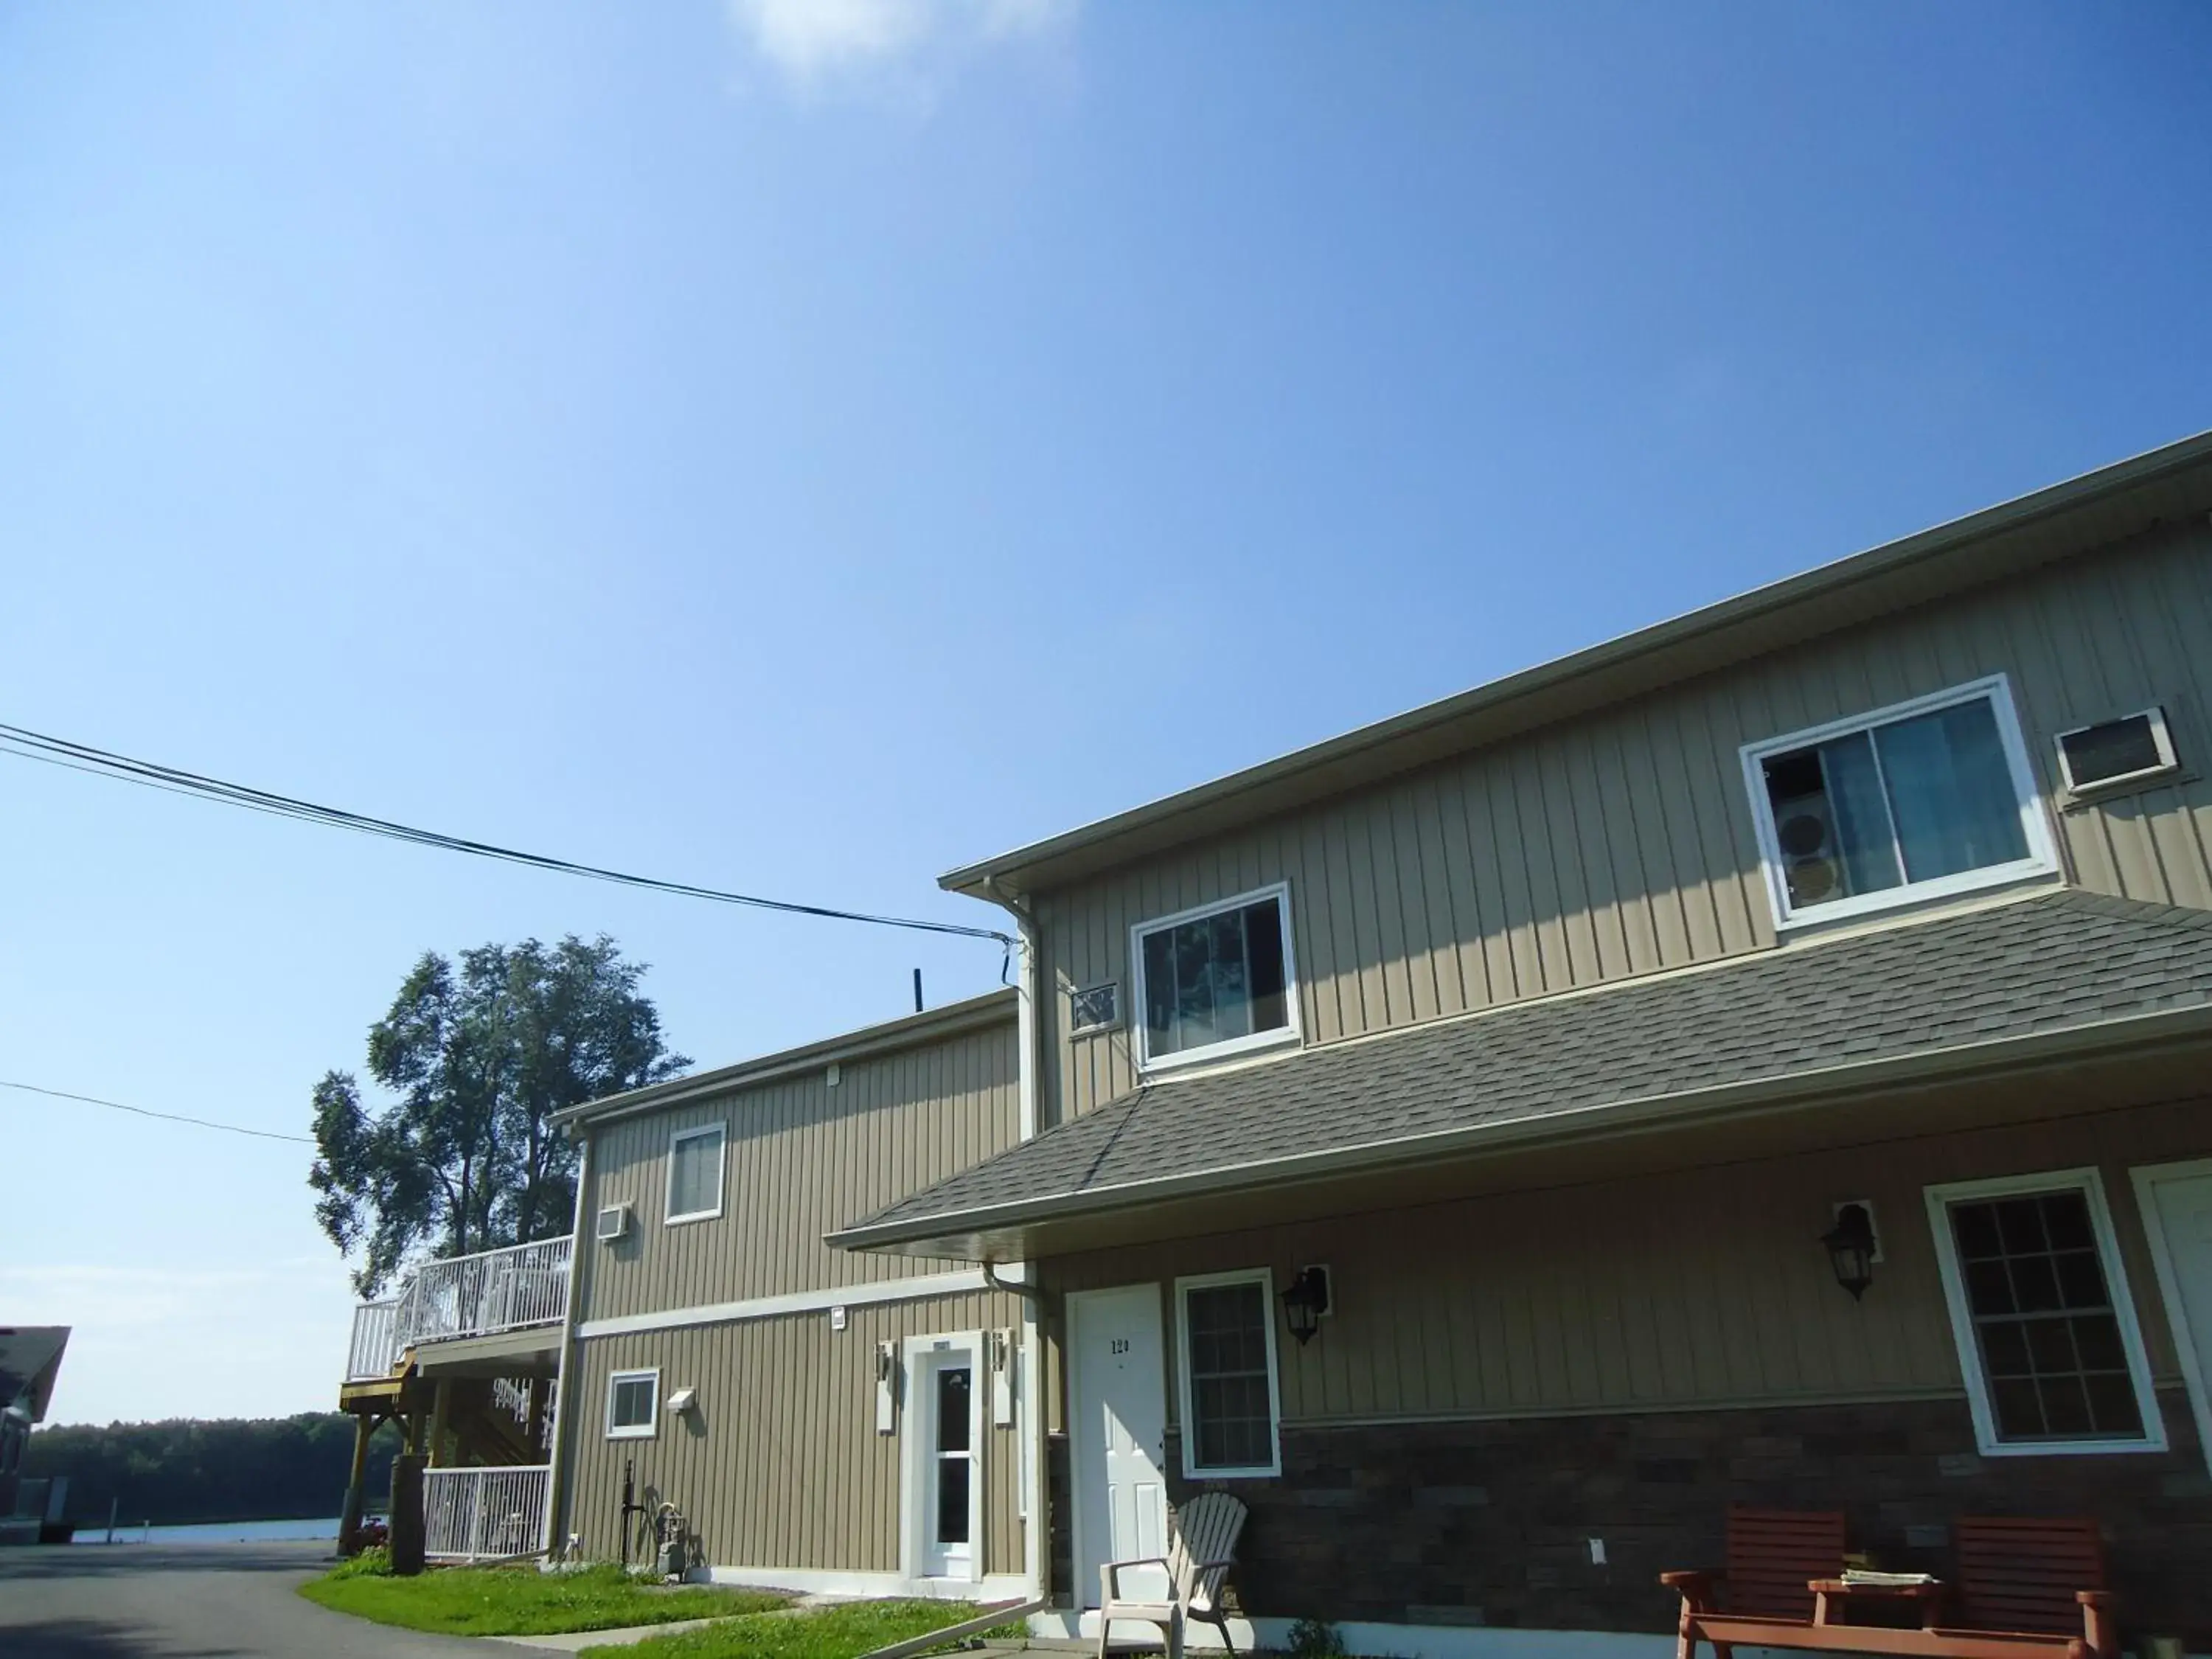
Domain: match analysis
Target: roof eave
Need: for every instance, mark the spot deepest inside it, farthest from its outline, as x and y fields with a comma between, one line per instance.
x=1530, y=687
x=953, y=1019
x=2144, y=1032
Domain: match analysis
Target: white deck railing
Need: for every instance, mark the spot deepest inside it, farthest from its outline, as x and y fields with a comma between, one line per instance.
x=492, y=1290
x=372, y=1354
x=479, y=1295
x=484, y=1514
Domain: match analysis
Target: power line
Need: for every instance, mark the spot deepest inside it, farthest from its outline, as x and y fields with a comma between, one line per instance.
x=82, y=758
x=166, y=1117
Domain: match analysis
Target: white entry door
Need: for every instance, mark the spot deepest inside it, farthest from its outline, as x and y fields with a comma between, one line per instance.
x=949, y=1476
x=2176, y=1200
x=1117, y=1439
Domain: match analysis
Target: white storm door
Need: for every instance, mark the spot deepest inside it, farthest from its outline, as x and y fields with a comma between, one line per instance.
x=1117, y=1405
x=2176, y=1201
x=951, y=1480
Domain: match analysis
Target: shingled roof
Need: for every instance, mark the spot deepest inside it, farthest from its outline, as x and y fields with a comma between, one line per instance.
x=1948, y=985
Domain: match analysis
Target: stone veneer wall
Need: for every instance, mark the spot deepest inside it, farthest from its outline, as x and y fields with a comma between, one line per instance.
x=1488, y=1522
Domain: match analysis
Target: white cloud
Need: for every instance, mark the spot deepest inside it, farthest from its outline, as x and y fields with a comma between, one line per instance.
x=812, y=40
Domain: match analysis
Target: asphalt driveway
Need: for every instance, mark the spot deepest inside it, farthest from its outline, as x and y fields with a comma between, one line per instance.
x=189, y=1601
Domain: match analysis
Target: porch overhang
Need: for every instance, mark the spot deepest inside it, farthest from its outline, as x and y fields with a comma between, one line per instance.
x=1931, y=1024
x=532, y=1351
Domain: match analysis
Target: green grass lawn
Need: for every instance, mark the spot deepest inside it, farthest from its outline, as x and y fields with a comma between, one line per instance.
x=520, y=1601
x=840, y=1633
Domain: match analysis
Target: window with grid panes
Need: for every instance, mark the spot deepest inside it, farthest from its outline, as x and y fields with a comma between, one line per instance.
x=1232, y=1409
x=2045, y=1331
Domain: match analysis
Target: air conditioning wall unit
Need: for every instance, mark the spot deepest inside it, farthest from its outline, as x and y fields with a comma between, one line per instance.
x=614, y=1222
x=2132, y=749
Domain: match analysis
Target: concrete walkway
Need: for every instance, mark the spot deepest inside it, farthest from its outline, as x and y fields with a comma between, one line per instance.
x=187, y=1602
x=576, y=1641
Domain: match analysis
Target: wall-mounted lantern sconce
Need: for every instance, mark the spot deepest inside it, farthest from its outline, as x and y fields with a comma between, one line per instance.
x=1853, y=1246
x=1305, y=1302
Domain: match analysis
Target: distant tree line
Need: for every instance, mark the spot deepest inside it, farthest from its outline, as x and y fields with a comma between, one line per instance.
x=188, y=1470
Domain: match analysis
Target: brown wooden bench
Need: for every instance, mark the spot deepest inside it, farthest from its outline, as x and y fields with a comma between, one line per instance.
x=1773, y=1557
x=2026, y=1590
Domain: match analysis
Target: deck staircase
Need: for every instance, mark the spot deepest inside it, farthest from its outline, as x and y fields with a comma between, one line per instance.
x=465, y=1359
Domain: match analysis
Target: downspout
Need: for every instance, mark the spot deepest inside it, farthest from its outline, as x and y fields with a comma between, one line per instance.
x=1027, y=1027
x=557, y=1481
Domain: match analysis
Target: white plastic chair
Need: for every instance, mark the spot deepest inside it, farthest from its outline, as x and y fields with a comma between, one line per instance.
x=1197, y=1564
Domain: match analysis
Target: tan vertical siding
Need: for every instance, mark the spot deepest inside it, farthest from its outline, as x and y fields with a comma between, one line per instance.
x=1622, y=842
x=781, y=1466
x=1698, y=1288
x=800, y=1159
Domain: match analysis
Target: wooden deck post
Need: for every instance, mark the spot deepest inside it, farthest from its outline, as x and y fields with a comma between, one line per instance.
x=364, y=1426
x=407, y=1539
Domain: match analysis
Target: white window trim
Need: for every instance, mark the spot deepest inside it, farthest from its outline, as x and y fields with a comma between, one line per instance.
x=2088, y=1181
x=2042, y=858
x=919, y=1435
x=648, y=1430
x=1139, y=1022
x=720, y=1132
x=2147, y=1178
x=2161, y=736
x=1264, y=1279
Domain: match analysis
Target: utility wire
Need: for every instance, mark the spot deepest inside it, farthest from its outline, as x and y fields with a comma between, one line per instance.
x=82, y=758
x=166, y=1117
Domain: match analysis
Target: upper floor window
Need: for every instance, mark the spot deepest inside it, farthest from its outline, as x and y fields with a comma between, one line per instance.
x=695, y=1174
x=1917, y=800
x=1216, y=981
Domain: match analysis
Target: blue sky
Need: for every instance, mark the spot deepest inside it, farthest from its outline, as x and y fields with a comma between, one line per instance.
x=803, y=446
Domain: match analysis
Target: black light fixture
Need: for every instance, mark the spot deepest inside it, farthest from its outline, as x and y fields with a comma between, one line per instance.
x=1852, y=1247
x=1305, y=1302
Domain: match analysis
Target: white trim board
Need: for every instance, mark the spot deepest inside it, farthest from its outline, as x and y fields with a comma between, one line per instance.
x=863, y=1585
x=1402, y=1641
x=917, y=1289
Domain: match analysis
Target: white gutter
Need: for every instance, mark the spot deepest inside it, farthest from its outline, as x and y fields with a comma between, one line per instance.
x=1029, y=1066
x=556, y=1485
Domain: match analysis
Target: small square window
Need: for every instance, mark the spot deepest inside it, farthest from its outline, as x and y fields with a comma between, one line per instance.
x=633, y=1405
x=1095, y=1008
x=695, y=1174
x=1216, y=982
x=2039, y=1299
x=1919, y=800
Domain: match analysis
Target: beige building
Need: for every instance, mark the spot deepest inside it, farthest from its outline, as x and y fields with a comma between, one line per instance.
x=1765, y=1058
x=821, y=1420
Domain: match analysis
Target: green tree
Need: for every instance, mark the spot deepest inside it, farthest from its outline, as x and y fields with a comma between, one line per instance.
x=479, y=1057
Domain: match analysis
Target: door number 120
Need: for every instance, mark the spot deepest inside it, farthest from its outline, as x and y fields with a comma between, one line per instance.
x=1121, y=1345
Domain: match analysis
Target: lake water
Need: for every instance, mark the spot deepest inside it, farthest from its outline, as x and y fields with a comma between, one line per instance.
x=219, y=1532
